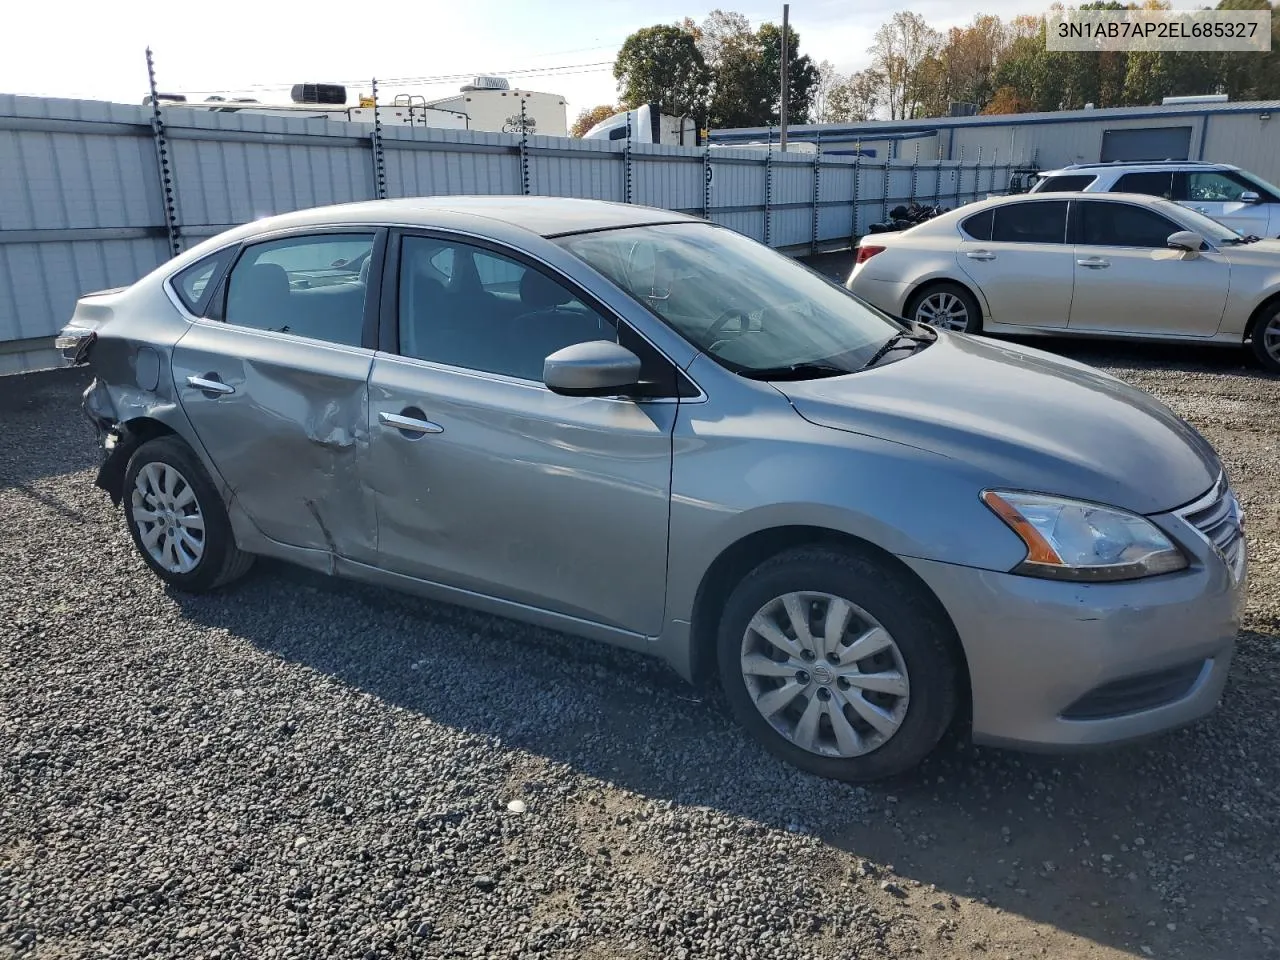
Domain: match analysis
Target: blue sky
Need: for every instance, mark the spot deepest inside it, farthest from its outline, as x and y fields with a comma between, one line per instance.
x=95, y=50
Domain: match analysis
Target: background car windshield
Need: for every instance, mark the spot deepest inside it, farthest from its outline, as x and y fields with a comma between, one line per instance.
x=746, y=306
x=1210, y=229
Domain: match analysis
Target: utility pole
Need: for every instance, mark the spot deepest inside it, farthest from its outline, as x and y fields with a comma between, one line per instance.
x=782, y=79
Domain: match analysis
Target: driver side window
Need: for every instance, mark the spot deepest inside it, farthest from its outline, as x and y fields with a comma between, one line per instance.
x=469, y=307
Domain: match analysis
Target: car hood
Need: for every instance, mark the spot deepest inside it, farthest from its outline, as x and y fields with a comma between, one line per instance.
x=1264, y=252
x=1025, y=418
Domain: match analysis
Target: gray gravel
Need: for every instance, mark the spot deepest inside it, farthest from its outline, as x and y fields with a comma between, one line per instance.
x=304, y=768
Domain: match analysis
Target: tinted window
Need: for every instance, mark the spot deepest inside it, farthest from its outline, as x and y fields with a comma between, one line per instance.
x=620, y=133
x=1214, y=188
x=1030, y=222
x=195, y=284
x=308, y=286
x=978, y=226
x=1074, y=181
x=1123, y=225
x=487, y=312
x=1156, y=184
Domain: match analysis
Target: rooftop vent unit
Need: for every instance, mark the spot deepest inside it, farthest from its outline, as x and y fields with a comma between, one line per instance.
x=332, y=93
x=487, y=83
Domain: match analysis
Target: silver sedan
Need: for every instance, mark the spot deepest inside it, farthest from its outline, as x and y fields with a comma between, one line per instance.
x=642, y=428
x=1080, y=264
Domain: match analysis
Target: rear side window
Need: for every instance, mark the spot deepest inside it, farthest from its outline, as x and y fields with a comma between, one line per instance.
x=309, y=286
x=978, y=226
x=1158, y=183
x=1031, y=222
x=195, y=285
x=1072, y=181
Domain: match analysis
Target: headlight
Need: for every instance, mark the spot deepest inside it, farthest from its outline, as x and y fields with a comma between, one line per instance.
x=1073, y=540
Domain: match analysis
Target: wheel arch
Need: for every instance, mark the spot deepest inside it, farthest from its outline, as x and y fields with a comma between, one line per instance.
x=1271, y=300
x=129, y=436
x=738, y=559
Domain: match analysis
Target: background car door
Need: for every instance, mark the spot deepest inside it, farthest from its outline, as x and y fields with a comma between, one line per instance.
x=275, y=386
x=494, y=484
x=1020, y=260
x=1129, y=280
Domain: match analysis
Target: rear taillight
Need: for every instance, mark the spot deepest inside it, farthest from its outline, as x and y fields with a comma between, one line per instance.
x=866, y=253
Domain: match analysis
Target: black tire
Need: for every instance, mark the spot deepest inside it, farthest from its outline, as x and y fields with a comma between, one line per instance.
x=924, y=638
x=974, y=311
x=221, y=561
x=1267, y=326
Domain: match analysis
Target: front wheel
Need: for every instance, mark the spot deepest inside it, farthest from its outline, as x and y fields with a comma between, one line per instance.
x=1266, y=339
x=838, y=664
x=947, y=306
x=177, y=519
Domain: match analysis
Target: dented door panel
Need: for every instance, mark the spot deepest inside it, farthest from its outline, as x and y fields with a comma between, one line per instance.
x=285, y=422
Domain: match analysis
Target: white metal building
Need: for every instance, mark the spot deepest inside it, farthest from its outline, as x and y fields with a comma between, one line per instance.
x=1245, y=133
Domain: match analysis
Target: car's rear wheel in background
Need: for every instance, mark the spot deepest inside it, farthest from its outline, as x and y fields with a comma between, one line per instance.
x=1266, y=338
x=177, y=519
x=947, y=306
x=838, y=664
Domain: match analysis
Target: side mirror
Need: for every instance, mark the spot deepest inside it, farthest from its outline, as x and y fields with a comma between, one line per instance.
x=1186, y=240
x=1249, y=196
x=597, y=368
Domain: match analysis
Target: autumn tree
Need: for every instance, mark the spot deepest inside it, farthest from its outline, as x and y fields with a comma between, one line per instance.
x=662, y=64
x=900, y=53
x=802, y=75
x=590, y=117
x=829, y=80
x=857, y=98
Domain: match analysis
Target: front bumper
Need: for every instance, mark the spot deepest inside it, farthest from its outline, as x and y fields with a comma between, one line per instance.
x=1055, y=665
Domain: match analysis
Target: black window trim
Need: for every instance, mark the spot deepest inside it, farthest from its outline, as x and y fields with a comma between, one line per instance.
x=388, y=336
x=1075, y=220
x=216, y=308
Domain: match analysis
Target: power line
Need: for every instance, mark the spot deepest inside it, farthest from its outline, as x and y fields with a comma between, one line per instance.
x=561, y=70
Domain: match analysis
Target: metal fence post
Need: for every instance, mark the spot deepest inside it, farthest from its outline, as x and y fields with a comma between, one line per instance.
x=959, y=171
x=857, y=176
x=172, y=227
x=626, y=160
x=706, y=182
x=817, y=195
x=915, y=173
x=524, y=150
x=884, y=191
x=379, y=160
x=768, y=190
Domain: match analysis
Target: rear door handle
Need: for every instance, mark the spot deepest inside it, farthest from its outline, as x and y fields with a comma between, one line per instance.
x=210, y=386
x=405, y=424
x=980, y=255
x=1094, y=263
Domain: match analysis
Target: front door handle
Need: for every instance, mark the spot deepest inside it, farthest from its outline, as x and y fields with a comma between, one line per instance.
x=210, y=386
x=1094, y=263
x=980, y=255
x=409, y=425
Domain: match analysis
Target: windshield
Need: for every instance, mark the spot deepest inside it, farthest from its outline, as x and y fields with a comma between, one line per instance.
x=1207, y=227
x=749, y=308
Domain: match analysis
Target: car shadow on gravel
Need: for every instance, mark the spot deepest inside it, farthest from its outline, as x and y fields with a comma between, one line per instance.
x=1166, y=848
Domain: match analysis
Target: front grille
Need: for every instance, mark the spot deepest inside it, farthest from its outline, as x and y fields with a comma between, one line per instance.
x=1218, y=518
x=1133, y=694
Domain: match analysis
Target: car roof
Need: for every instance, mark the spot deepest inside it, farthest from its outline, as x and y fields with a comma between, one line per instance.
x=546, y=216
x=1144, y=199
x=1138, y=165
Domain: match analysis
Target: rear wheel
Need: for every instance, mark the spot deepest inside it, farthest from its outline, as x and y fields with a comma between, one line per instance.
x=177, y=519
x=838, y=664
x=947, y=306
x=1266, y=338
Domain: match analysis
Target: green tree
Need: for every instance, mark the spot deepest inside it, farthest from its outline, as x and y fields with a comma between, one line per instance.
x=857, y=98
x=802, y=74
x=662, y=64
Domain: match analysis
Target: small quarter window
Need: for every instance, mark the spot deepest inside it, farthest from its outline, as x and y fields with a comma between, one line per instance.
x=195, y=284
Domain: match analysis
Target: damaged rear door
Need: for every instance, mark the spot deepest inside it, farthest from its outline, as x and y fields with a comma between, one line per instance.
x=275, y=383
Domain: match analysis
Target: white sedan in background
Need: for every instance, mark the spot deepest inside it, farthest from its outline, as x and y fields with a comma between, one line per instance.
x=1114, y=265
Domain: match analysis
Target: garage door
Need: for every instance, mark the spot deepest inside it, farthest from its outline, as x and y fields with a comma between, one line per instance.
x=1146, y=143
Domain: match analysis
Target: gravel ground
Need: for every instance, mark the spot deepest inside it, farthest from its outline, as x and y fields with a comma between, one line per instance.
x=303, y=768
